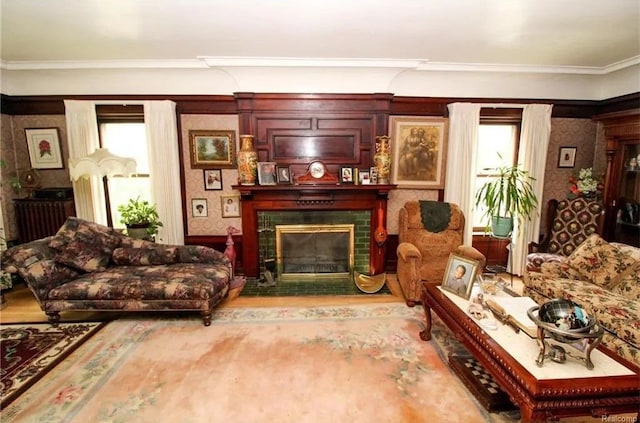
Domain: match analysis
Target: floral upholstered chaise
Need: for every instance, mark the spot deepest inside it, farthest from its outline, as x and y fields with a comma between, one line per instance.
x=604, y=278
x=87, y=266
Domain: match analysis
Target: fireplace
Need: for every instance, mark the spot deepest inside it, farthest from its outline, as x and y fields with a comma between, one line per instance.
x=307, y=202
x=317, y=250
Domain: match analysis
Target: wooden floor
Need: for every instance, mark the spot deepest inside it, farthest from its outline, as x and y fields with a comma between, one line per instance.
x=21, y=305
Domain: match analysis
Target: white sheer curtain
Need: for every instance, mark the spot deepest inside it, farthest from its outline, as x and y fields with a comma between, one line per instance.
x=82, y=138
x=164, y=168
x=464, y=120
x=534, y=143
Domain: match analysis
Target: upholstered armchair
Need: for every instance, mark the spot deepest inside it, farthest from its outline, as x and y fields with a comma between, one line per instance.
x=568, y=224
x=425, y=244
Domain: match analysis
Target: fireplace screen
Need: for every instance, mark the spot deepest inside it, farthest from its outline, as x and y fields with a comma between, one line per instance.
x=314, y=250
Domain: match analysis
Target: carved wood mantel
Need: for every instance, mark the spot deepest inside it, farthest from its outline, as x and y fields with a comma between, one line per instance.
x=299, y=198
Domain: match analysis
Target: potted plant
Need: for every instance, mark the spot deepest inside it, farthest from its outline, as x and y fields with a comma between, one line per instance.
x=507, y=196
x=140, y=217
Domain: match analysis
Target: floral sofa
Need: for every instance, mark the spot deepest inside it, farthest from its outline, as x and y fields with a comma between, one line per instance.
x=87, y=266
x=604, y=278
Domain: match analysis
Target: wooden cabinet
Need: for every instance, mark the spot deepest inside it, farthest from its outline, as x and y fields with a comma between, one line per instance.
x=622, y=178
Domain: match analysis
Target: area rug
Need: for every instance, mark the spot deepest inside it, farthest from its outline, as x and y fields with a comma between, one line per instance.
x=30, y=350
x=356, y=363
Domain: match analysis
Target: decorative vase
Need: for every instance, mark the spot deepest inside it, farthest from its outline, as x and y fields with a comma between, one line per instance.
x=247, y=161
x=382, y=159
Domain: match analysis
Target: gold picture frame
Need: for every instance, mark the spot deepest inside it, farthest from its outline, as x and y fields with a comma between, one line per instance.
x=419, y=151
x=212, y=149
x=460, y=275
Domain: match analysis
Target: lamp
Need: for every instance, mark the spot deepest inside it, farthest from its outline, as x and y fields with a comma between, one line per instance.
x=101, y=163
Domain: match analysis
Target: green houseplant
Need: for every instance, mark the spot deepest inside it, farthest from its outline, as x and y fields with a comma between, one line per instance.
x=140, y=217
x=507, y=196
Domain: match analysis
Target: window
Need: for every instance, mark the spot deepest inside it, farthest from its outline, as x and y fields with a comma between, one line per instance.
x=126, y=139
x=497, y=137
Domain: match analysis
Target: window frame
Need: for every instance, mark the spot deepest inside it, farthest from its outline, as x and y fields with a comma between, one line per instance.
x=501, y=116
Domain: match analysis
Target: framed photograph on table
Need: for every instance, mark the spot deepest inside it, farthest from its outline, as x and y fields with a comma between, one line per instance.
x=419, y=151
x=212, y=179
x=567, y=156
x=230, y=205
x=44, y=148
x=212, y=149
x=199, y=207
x=460, y=275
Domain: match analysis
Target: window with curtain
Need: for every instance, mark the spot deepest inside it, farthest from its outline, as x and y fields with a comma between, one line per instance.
x=498, y=141
x=122, y=132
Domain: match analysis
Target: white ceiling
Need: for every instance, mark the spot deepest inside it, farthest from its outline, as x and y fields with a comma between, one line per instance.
x=564, y=36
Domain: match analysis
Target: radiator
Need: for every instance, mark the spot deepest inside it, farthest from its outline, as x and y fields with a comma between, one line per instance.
x=37, y=218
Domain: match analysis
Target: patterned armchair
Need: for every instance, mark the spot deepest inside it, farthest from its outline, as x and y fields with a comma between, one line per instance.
x=568, y=224
x=423, y=252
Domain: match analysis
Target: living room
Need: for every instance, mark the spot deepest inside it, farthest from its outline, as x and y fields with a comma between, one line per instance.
x=282, y=76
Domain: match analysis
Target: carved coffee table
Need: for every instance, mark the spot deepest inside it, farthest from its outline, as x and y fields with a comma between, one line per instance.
x=549, y=392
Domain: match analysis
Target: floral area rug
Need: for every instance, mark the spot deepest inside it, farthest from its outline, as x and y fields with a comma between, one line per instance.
x=355, y=363
x=30, y=350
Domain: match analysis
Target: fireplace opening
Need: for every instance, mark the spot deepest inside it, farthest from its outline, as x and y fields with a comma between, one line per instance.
x=316, y=250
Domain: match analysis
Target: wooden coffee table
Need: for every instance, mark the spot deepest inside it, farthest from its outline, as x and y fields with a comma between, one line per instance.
x=552, y=391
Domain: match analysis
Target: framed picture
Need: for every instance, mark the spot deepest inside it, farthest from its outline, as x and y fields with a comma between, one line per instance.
x=44, y=148
x=199, y=207
x=373, y=174
x=346, y=175
x=364, y=178
x=284, y=174
x=460, y=275
x=212, y=179
x=267, y=173
x=230, y=205
x=567, y=156
x=419, y=151
x=212, y=149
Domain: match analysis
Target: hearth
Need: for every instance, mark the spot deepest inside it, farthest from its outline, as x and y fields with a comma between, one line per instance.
x=317, y=250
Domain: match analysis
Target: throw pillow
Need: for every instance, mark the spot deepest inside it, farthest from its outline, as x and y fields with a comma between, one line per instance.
x=598, y=261
x=84, y=245
x=130, y=256
x=628, y=283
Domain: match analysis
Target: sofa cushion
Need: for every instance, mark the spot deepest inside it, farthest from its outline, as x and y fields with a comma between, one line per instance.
x=628, y=283
x=131, y=256
x=598, y=261
x=84, y=245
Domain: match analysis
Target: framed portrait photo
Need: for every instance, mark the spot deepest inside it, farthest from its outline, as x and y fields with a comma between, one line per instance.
x=230, y=205
x=346, y=175
x=419, y=151
x=212, y=179
x=212, y=149
x=460, y=275
x=364, y=177
x=283, y=174
x=199, y=207
x=44, y=148
x=267, y=173
x=567, y=156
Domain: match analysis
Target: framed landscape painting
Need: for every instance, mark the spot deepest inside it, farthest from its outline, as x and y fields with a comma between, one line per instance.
x=212, y=149
x=419, y=151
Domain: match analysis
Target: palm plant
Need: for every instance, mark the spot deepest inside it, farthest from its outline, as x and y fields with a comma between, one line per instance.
x=507, y=197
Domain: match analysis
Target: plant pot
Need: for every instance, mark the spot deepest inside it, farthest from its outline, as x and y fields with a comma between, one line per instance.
x=501, y=227
x=138, y=232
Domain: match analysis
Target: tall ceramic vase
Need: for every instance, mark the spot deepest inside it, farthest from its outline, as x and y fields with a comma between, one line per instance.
x=247, y=161
x=382, y=159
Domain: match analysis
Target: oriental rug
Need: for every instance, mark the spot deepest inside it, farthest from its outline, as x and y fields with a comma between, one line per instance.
x=353, y=363
x=30, y=350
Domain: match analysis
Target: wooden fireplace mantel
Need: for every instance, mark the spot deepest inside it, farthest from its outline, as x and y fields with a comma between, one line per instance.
x=264, y=198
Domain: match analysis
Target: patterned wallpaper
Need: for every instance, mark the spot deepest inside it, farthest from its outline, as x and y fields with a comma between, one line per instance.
x=584, y=134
